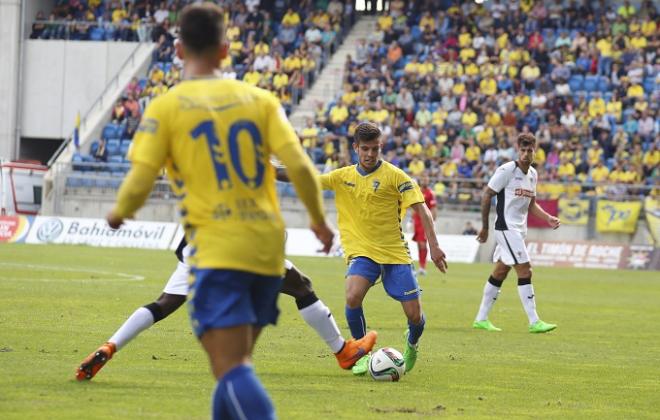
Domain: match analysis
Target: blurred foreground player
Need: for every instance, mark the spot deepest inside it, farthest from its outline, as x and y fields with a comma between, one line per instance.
x=216, y=137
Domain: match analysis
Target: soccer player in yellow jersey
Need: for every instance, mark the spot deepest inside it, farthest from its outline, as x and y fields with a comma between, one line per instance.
x=369, y=198
x=216, y=137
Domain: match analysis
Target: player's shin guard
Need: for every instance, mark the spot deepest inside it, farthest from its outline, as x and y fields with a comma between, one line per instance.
x=526, y=293
x=415, y=331
x=240, y=395
x=356, y=322
x=318, y=316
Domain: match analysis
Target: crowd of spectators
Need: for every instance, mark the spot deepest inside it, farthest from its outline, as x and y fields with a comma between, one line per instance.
x=280, y=49
x=452, y=84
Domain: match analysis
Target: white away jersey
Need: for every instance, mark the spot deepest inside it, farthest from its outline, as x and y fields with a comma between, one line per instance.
x=515, y=190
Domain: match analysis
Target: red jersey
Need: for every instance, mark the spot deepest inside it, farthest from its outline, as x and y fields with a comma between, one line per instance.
x=429, y=198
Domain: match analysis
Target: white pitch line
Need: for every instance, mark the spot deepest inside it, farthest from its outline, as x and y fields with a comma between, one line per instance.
x=113, y=275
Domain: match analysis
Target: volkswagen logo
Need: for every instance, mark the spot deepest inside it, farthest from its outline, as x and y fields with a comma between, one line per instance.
x=50, y=230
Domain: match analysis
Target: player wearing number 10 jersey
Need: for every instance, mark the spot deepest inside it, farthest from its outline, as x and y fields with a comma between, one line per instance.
x=215, y=137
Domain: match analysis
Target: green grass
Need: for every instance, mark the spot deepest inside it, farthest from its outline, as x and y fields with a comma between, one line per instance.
x=58, y=303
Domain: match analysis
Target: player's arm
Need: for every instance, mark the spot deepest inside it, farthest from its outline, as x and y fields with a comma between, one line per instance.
x=486, y=199
x=148, y=153
x=133, y=193
x=437, y=254
x=537, y=211
x=300, y=171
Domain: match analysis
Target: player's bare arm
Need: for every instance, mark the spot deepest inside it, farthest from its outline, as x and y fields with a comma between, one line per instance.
x=437, y=255
x=538, y=211
x=486, y=199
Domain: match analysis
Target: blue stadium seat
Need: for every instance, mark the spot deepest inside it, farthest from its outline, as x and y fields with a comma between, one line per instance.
x=604, y=84
x=649, y=85
x=575, y=82
x=116, y=164
x=75, y=180
x=104, y=179
x=590, y=83
x=108, y=131
x=96, y=34
x=416, y=32
x=113, y=147
x=607, y=96
x=125, y=144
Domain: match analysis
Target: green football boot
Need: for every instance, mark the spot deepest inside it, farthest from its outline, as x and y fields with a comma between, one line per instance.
x=485, y=325
x=410, y=354
x=361, y=366
x=541, y=327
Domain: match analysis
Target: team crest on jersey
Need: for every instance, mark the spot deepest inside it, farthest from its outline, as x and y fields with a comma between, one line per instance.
x=376, y=184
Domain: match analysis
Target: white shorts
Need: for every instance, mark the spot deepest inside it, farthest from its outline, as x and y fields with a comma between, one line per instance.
x=178, y=282
x=510, y=248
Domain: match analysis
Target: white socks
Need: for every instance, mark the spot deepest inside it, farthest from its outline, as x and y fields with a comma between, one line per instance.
x=139, y=321
x=487, y=301
x=526, y=293
x=319, y=317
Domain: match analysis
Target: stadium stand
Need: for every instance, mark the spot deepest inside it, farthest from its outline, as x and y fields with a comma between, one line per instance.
x=280, y=49
x=453, y=86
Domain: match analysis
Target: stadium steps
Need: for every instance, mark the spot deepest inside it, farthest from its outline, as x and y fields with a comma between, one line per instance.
x=329, y=82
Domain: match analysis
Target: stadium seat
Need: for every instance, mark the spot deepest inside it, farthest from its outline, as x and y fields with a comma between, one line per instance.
x=125, y=144
x=109, y=131
x=116, y=164
x=113, y=147
x=590, y=83
x=93, y=147
x=103, y=179
x=77, y=161
x=575, y=82
x=604, y=84
x=74, y=180
x=96, y=34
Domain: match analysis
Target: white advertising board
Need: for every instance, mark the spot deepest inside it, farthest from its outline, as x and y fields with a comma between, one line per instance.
x=96, y=232
x=458, y=248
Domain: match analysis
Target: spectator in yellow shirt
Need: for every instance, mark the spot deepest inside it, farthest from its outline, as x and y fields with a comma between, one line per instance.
x=596, y=106
x=416, y=167
x=464, y=38
x=449, y=169
x=635, y=91
x=521, y=101
x=414, y=148
x=280, y=80
x=472, y=152
x=252, y=77
x=338, y=114
x=566, y=169
x=469, y=118
x=488, y=86
x=385, y=22
x=427, y=20
x=291, y=18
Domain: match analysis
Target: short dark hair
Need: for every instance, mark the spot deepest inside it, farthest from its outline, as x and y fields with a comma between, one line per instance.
x=366, y=131
x=526, y=139
x=202, y=27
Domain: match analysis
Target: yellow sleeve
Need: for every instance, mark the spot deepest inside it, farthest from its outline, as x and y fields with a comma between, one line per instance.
x=150, y=145
x=286, y=147
x=135, y=189
x=328, y=180
x=408, y=190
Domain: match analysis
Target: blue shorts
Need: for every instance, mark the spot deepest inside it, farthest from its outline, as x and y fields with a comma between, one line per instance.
x=228, y=298
x=398, y=279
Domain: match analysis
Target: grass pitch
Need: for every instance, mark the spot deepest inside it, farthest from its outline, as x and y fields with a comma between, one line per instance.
x=59, y=303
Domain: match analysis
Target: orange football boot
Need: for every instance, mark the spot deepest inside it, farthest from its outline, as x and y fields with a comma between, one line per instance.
x=353, y=350
x=95, y=361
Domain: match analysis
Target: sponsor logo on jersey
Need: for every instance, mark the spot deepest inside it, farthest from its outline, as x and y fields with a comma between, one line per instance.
x=521, y=192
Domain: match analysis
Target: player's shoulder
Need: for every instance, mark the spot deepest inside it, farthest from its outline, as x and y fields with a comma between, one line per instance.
x=508, y=167
x=533, y=172
x=392, y=169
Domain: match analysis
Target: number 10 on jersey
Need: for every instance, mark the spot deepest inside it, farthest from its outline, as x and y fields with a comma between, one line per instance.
x=218, y=152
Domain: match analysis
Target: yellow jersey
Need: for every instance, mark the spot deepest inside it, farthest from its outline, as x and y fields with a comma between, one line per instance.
x=369, y=207
x=215, y=137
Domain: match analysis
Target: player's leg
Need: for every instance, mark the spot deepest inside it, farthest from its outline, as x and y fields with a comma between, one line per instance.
x=361, y=275
x=227, y=309
x=420, y=238
x=173, y=296
x=515, y=244
x=490, y=294
x=422, y=250
x=400, y=283
x=318, y=316
x=527, y=298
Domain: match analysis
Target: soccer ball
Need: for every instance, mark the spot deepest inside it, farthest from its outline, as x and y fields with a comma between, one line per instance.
x=387, y=364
